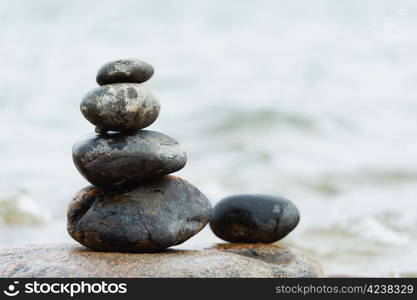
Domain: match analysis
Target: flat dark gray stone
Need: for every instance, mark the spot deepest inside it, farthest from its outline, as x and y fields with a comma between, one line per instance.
x=121, y=107
x=150, y=217
x=113, y=160
x=219, y=261
x=124, y=70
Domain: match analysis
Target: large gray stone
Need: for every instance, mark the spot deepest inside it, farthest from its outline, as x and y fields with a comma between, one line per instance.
x=150, y=217
x=113, y=160
x=219, y=261
x=121, y=107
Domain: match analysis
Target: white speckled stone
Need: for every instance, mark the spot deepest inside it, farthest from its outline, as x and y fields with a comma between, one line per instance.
x=121, y=107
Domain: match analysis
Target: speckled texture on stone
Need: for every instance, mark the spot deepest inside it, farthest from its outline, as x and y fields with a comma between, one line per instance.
x=151, y=217
x=254, y=218
x=113, y=160
x=121, y=107
x=222, y=261
x=124, y=70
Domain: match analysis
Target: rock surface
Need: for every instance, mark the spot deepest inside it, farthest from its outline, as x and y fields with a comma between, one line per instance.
x=112, y=160
x=121, y=107
x=150, y=217
x=224, y=261
x=124, y=70
x=254, y=218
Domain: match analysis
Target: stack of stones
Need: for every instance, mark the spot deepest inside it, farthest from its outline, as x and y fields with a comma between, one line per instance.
x=133, y=204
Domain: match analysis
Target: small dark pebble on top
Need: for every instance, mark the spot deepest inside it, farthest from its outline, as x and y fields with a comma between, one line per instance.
x=128, y=70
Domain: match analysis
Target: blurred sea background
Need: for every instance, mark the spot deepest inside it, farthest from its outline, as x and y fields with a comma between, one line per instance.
x=312, y=100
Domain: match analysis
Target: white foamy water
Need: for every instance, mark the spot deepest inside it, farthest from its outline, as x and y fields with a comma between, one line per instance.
x=312, y=100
